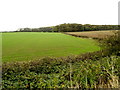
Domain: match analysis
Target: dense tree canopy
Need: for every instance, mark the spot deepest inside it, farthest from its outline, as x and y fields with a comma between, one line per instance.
x=71, y=28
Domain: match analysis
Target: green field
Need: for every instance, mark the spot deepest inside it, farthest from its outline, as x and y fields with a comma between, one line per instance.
x=34, y=45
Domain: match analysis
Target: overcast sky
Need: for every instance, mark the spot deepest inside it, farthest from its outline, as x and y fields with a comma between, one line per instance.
x=16, y=14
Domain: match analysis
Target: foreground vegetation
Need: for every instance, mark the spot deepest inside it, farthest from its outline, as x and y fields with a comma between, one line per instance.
x=99, y=69
x=71, y=72
x=31, y=46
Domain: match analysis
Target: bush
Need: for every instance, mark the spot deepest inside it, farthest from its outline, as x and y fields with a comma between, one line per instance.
x=62, y=73
x=111, y=44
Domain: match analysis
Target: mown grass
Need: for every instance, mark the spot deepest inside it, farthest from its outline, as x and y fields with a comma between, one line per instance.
x=32, y=45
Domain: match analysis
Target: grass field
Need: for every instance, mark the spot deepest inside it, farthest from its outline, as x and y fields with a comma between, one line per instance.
x=32, y=45
x=93, y=34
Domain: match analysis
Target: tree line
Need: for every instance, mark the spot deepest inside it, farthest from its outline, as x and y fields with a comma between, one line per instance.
x=71, y=28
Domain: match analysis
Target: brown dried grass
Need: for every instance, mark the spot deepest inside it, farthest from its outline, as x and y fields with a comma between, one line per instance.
x=92, y=34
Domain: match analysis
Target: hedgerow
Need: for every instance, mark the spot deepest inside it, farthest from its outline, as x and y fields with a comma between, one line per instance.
x=58, y=73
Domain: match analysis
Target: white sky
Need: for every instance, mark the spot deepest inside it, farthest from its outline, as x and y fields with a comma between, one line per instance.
x=16, y=14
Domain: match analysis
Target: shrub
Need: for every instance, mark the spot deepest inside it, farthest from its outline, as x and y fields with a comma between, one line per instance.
x=111, y=44
x=60, y=72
